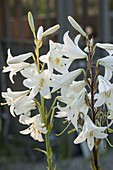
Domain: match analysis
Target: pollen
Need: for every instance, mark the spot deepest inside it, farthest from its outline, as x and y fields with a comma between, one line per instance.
x=91, y=134
x=41, y=83
x=57, y=60
x=107, y=94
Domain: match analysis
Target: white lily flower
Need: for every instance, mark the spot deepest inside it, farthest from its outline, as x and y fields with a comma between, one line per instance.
x=106, y=46
x=15, y=64
x=41, y=33
x=107, y=62
x=76, y=26
x=38, y=82
x=54, y=58
x=12, y=97
x=71, y=49
x=78, y=105
x=24, y=106
x=73, y=108
x=63, y=81
x=105, y=94
x=36, y=127
x=89, y=132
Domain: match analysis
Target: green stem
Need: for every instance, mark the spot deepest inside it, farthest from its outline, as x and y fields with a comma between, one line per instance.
x=43, y=110
x=48, y=147
x=49, y=152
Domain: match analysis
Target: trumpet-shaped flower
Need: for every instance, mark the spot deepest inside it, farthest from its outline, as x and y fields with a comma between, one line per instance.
x=89, y=132
x=63, y=81
x=105, y=94
x=71, y=49
x=36, y=127
x=24, y=106
x=72, y=110
x=41, y=33
x=16, y=64
x=107, y=62
x=38, y=82
x=54, y=58
x=76, y=26
x=106, y=46
x=12, y=97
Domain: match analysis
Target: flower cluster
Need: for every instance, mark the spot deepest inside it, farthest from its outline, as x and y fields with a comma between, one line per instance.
x=84, y=99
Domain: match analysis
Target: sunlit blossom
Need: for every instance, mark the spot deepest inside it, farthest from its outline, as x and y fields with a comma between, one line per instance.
x=89, y=132
x=36, y=127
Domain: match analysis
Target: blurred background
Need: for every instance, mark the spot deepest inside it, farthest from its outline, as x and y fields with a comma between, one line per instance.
x=94, y=16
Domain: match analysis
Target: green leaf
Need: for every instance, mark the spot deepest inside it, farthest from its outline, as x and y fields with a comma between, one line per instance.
x=63, y=130
x=31, y=22
x=71, y=131
x=41, y=150
x=110, y=130
x=55, y=167
x=109, y=142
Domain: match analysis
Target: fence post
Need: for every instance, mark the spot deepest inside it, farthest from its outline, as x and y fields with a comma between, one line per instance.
x=64, y=8
x=104, y=21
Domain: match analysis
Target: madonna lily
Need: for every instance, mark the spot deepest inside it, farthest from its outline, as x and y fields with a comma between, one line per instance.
x=76, y=26
x=71, y=49
x=16, y=63
x=38, y=83
x=107, y=62
x=54, y=58
x=41, y=33
x=106, y=46
x=63, y=81
x=105, y=94
x=24, y=106
x=72, y=110
x=12, y=97
x=78, y=106
x=89, y=132
x=36, y=127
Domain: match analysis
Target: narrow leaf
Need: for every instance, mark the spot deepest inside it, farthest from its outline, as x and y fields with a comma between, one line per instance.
x=41, y=150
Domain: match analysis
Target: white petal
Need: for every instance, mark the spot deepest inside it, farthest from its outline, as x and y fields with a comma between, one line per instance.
x=29, y=83
x=44, y=58
x=68, y=41
x=100, y=135
x=37, y=136
x=45, y=92
x=77, y=38
x=108, y=73
x=40, y=33
x=106, y=46
x=26, y=131
x=100, y=99
x=61, y=114
x=33, y=93
x=12, y=110
x=90, y=142
x=24, y=119
x=19, y=58
x=81, y=138
x=104, y=85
